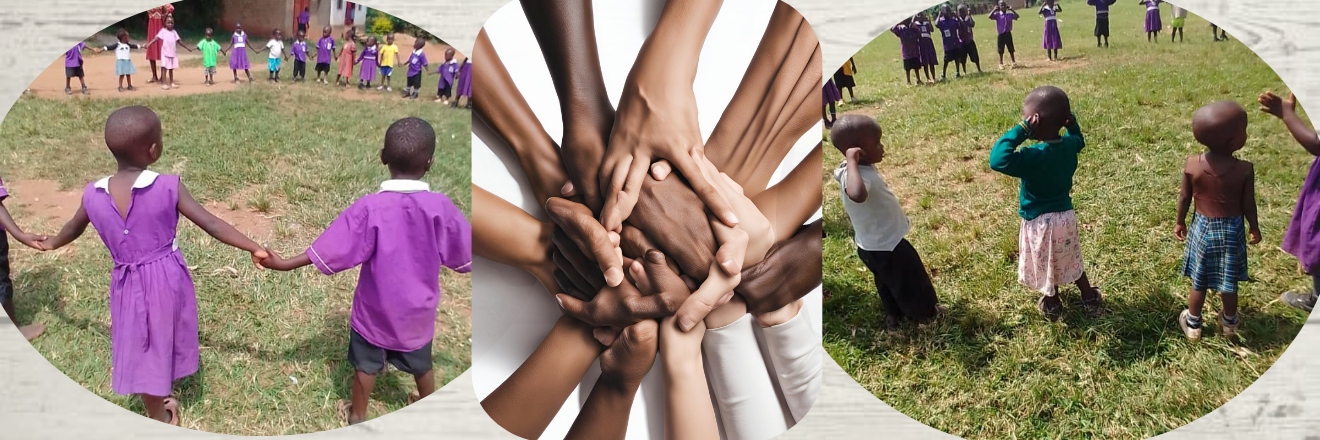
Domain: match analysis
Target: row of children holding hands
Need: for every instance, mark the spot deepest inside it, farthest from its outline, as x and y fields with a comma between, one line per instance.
x=153, y=308
x=1219, y=186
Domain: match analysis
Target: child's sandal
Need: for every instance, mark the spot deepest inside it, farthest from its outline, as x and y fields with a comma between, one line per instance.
x=1051, y=312
x=413, y=397
x=172, y=408
x=1094, y=306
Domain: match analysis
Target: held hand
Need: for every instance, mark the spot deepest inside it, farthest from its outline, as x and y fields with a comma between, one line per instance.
x=625, y=305
x=718, y=287
x=259, y=256
x=630, y=355
x=272, y=261
x=1255, y=236
x=760, y=236
x=600, y=245
x=1180, y=232
x=32, y=240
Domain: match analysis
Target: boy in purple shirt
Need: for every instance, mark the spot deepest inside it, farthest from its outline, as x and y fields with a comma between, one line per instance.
x=1003, y=16
x=416, y=64
x=304, y=17
x=909, y=40
x=325, y=49
x=969, y=50
x=299, y=49
x=951, y=32
x=30, y=331
x=400, y=237
x=73, y=66
x=448, y=71
x=1101, y=19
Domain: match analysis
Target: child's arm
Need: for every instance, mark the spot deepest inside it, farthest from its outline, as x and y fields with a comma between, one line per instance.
x=275, y=262
x=1286, y=109
x=854, y=186
x=152, y=41
x=1249, y=204
x=1005, y=157
x=1184, y=204
x=71, y=231
x=1074, y=130
x=216, y=227
x=7, y=222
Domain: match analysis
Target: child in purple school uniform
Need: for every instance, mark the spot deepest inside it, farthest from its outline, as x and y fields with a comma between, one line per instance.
x=368, y=61
x=1302, y=238
x=400, y=236
x=325, y=51
x=30, y=331
x=299, y=49
x=153, y=307
x=929, y=59
x=1153, y=23
x=73, y=66
x=238, y=59
x=1004, y=16
x=909, y=41
x=951, y=32
x=463, y=88
x=969, y=50
x=448, y=71
x=1051, y=41
x=416, y=65
x=1101, y=20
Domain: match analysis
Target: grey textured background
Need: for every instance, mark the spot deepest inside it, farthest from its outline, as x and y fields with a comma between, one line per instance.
x=39, y=402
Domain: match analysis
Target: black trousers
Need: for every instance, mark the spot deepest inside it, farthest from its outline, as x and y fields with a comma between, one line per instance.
x=1006, y=42
x=299, y=69
x=901, y=280
x=6, y=285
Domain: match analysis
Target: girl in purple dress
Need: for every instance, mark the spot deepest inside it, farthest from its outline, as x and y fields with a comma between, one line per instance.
x=929, y=59
x=831, y=95
x=153, y=308
x=448, y=71
x=463, y=88
x=238, y=59
x=368, y=61
x=1302, y=239
x=1052, y=41
x=909, y=44
x=1153, y=22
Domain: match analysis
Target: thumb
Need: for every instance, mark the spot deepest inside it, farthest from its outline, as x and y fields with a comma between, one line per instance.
x=573, y=307
x=712, y=293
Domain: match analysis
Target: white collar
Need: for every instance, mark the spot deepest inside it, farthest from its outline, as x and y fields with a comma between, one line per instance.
x=417, y=51
x=404, y=186
x=144, y=179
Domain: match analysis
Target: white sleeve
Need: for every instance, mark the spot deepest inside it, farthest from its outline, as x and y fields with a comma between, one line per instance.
x=796, y=354
x=743, y=389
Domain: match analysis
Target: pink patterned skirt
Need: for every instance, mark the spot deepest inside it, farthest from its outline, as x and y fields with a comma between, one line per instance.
x=1049, y=252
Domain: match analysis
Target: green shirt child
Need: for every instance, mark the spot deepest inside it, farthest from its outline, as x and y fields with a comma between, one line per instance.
x=209, y=49
x=1046, y=169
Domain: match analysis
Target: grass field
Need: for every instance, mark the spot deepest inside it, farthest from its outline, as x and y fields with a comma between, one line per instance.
x=992, y=367
x=274, y=345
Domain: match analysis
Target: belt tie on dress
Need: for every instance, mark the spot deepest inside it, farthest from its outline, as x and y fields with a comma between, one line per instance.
x=128, y=269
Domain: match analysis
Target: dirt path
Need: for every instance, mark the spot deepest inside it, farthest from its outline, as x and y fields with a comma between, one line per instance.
x=102, y=83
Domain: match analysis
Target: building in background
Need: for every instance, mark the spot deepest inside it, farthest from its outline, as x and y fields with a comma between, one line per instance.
x=260, y=17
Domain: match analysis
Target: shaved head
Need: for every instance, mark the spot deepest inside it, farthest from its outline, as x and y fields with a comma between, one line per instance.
x=1050, y=102
x=409, y=146
x=130, y=132
x=854, y=131
x=1221, y=126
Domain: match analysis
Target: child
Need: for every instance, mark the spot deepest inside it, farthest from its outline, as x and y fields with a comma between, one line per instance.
x=73, y=67
x=1003, y=16
x=928, y=57
x=1052, y=41
x=30, y=331
x=1302, y=238
x=909, y=41
x=153, y=307
x=209, y=48
x=464, y=85
x=950, y=29
x=969, y=50
x=325, y=51
x=238, y=60
x=448, y=71
x=123, y=59
x=1153, y=23
x=388, y=58
x=367, y=73
x=1049, y=250
x=1225, y=193
x=304, y=17
x=400, y=237
x=1101, y=19
x=1179, y=21
x=879, y=224
x=299, y=49
x=276, y=49
x=831, y=95
x=169, y=60
x=843, y=78
x=416, y=65
x=1219, y=33
x=346, y=58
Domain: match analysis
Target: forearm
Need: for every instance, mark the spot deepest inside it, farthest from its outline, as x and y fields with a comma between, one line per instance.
x=566, y=33
x=227, y=234
x=7, y=222
x=774, y=104
x=672, y=50
x=853, y=186
x=1301, y=131
x=506, y=234
x=505, y=111
x=529, y=399
x=70, y=232
x=605, y=415
x=795, y=199
x=1003, y=157
x=688, y=410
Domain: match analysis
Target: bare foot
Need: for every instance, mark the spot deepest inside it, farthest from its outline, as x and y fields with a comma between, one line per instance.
x=32, y=331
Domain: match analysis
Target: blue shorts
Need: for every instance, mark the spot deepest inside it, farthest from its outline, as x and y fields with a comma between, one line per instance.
x=273, y=64
x=386, y=70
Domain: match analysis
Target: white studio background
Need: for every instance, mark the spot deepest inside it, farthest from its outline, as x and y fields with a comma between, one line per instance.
x=511, y=312
x=38, y=402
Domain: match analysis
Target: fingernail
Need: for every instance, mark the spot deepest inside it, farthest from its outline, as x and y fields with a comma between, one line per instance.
x=655, y=256
x=613, y=276
x=636, y=267
x=560, y=302
x=685, y=323
x=732, y=219
x=730, y=267
x=567, y=189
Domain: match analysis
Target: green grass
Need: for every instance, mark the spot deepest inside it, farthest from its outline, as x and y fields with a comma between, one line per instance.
x=295, y=153
x=993, y=368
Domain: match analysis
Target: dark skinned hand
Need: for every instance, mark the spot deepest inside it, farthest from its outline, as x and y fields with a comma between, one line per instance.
x=582, y=229
x=624, y=304
x=674, y=219
x=790, y=269
x=630, y=356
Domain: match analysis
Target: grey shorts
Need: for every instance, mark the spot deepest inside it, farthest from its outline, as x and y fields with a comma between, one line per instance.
x=209, y=70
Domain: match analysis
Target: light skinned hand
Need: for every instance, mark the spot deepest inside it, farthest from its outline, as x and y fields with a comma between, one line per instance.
x=760, y=234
